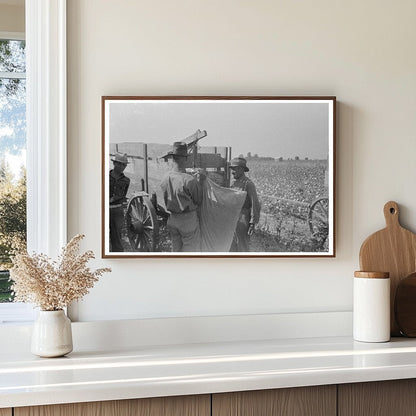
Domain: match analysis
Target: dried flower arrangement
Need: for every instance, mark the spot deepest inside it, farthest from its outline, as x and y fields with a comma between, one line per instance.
x=53, y=285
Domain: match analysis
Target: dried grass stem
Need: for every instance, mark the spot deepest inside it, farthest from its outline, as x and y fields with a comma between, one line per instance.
x=53, y=285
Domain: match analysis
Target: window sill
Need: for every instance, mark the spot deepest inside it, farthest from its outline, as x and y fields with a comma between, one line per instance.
x=16, y=313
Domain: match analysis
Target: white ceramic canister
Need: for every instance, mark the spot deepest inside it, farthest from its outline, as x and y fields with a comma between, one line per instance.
x=371, y=309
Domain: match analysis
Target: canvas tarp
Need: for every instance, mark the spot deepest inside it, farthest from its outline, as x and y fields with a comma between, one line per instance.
x=219, y=214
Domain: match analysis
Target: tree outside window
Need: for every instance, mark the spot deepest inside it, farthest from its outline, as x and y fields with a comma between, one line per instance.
x=12, y=156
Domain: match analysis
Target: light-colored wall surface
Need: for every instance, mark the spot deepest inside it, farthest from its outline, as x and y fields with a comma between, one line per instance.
x=363, y=52
x=12, y=18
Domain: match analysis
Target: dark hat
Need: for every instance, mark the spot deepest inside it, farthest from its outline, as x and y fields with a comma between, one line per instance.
x=121, y=158
x=179, y=149
x=239, y=161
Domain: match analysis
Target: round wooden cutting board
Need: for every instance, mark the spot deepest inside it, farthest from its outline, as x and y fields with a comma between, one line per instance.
x=393, y=250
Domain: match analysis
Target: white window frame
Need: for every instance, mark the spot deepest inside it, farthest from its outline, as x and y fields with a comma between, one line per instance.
x=46, y=90
x=14, y=312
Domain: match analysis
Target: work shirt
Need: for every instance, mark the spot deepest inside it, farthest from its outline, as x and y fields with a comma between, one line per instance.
x=118, y=188
x=251, y=204
x=181, y=192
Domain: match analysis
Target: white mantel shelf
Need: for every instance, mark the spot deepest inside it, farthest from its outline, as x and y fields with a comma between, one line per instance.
x=151, y=371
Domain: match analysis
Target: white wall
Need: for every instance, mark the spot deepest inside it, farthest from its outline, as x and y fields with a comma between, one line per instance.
x=361, y=51
x=12, y=18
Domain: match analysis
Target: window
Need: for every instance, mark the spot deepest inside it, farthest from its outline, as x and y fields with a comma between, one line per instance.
x=12, y=153
x=46, y=134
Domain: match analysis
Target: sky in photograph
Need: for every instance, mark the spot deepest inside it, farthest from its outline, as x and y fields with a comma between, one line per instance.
x=275, y=129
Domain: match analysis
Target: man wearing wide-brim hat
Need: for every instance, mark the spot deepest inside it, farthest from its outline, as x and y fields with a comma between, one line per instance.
x=179, y=149
x=182, y=194
x=119, y=185
x=250, y=212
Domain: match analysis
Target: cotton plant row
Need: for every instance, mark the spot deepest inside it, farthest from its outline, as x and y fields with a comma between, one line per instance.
x=52, y=285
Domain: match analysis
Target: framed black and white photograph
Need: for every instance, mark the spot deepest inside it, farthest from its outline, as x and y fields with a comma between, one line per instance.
x=218, y=176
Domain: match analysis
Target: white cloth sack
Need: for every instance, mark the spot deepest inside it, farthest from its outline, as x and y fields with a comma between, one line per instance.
x=219, y=214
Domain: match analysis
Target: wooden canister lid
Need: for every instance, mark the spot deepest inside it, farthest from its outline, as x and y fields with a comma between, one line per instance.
x=372, y=275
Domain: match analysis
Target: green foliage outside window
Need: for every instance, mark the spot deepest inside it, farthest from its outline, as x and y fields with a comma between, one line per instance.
x=12, y=224
x=12, y=144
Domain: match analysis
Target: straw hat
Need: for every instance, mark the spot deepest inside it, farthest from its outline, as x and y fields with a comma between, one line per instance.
x=120, y=158
x=239, y=162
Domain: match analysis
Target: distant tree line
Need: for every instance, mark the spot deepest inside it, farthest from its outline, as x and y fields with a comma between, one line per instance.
x=256, y=157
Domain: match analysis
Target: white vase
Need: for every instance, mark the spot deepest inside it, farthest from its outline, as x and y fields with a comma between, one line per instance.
x=52, y=334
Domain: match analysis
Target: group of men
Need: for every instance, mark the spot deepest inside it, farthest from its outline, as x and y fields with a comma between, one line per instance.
x=183, y=195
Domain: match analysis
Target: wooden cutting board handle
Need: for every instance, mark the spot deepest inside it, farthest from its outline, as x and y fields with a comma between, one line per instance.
x=391, y=214
x=393, y=250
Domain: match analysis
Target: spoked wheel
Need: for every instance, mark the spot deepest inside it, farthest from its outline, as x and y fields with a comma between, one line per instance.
x=142, y=224
x=318, y=219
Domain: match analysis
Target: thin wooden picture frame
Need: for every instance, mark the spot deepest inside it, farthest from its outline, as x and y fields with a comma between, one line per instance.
x=285, y=145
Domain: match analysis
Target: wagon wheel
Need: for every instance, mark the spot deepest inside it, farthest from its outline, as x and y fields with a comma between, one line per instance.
x=142, y=224
x=318, y=219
